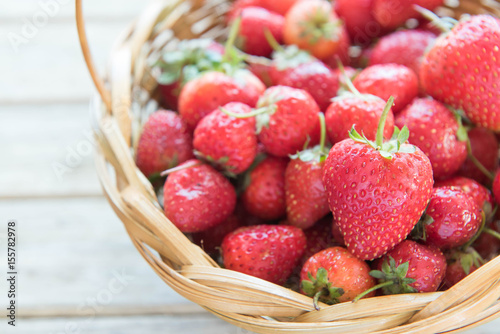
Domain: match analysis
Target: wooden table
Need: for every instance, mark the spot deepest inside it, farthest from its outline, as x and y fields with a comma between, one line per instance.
x=78, y=271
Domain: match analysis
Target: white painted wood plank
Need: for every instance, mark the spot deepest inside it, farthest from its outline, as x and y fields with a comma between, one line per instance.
x=200, y=324
x=49, y=66
x=47, y=150
x=65, y=9
x=75, y=253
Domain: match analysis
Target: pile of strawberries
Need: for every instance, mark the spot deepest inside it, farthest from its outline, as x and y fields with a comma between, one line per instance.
x=330, y=148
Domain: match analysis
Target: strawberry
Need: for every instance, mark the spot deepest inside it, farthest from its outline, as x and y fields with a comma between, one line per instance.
x=281, y=7
x=306, y=200
x=334, y=275
x=459, y=265
x=479, y=193
x=461, y=69
x=229, y=142
x=254, y=22
x=284, y=60
x=210, y=240
x=188, y=60
x=164, y=142
x=359, y=20
x=269, y=252
x=362, y=110
x=455, y=218
x=319, y=237
x=392, y=14
x=378, y=190
x=437, y=132
x=315, y=78
x=237, y=6
x=488, y=242
x=197, y=198
x=410, y=267
x=495, y=188
x=384, y=80
x=290, y=118
x=202, y=95
x=484, y=148
x=314, y=26
x=264, y=196
x=337, y=233
x=404, y=47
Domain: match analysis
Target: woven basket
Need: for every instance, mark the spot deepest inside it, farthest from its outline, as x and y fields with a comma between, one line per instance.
x=126, y=97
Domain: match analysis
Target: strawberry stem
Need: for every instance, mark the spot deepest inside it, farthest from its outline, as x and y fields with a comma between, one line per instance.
x=322, y=138
x=379, y=139
x=492, y=232
x=267, y=109
x=178, y=168
x=477, y=163
x=233, y=34
x=347, y=80
x=376, y=287
x=272, y=41
x=478, y=233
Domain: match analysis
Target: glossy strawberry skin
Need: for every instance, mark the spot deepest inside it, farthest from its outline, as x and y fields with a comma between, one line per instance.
x=433, y=129
x=315, y=78
x=495, y=188
x=198, y=198
x=484, y=147
x=404, y=47
x=345, y=271
x=294, y=121
x=344, y=112
x=222, y=137
x=319, y=237
x=164, y=143
x=269, y=252
x=264, y=197
x=202, y=95
x=427, y=264
x=306, y=200
x=254, y=22
x=392, y=14
x=210, y=240
x=386, y=80
x=461, y=69
x=375, y=201
x=359, y=20
x=479, y=193
x=456, y=218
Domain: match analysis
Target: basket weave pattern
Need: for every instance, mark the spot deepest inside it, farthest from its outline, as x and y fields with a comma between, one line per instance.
x=127, y=97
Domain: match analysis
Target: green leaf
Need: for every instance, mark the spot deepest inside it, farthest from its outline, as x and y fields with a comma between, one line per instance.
x=354, y=135
x=403, y=135
x=466, y=263
x=386, y=155
x=402, y=269
x=462, y=133
x=377, y=274
x=395, y=134
x=407, y=148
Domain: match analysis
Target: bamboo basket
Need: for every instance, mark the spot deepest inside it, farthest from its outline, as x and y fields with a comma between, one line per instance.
x=126, y=97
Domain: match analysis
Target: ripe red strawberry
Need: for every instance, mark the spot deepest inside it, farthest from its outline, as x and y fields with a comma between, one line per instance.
x=455, y=218
x=435, y=130
x=281, y=7
x=188, y=60
x=269, y=252
x=376, y=192
x=306, y=200
x=315, y=78
x=461, y=69
x=479, y=193
x=392, y=14
x=361, y=110
x=459, y=265
x=285, y=60
x=384, y=80
x=254, y=22
x=404, y=47
x=313, y=26
x=495, y=188
x=202, y=95
x=488, y=243
x=410, y=267
x=164, y=143
x=238, y=5
x=359, y=20
x=264, y=197
x=291, y=118
x=198, y=198
x=484, y=147
x=229, y=142
x=210, y=240
x=334, y=275
x=319, y=237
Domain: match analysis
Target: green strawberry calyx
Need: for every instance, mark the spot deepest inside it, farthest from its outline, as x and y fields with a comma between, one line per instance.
x=319, y=26
x=289, y=56
x=321, y=289
x=468, y=258
x=319, y=152
x=387, y=149
x=392, y=279
x=262, y=115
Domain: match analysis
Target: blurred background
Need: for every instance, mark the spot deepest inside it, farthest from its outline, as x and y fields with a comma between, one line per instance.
x=78, y=271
